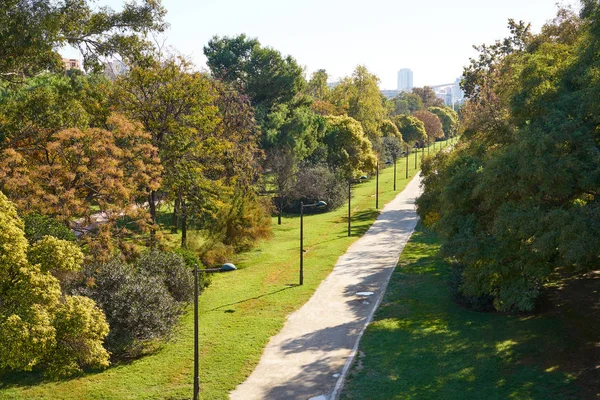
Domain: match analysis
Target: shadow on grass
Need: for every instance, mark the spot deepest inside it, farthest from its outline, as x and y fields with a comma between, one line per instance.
x=423, y=345
x=288, y=286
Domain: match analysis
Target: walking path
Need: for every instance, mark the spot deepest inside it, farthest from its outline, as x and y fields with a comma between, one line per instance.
x=311, y=355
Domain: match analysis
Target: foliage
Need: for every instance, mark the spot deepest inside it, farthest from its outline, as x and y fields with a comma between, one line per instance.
x=518, y=199
x=37, y=226
x=33, y=30
x=262, y=73
x=191, y=148
x=359, y=96
x=432, y=124
x=428, y=97
x=392, y=148
x=317, y=85
x=406, y=103
x=411, y=128
x=389, y=129
x=243, y=221
x=318, y=183
x=40, y=327
x=55, y=255
x=142, y=302
x=449, y=119
x=348, y=149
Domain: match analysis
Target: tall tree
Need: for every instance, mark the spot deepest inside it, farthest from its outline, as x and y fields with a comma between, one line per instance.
x=349, y=151
x=428, y=97
x=317, y=85
x=32, y=31
x=432, y=124
x=262, y=73
x=177, y=107
x=359, y=95
x=449, y=119
x=411, y=128
x=406, y=103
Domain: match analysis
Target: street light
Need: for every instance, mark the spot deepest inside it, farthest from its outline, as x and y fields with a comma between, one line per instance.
x=350, y=181
x=388, y=162
x=416, y=154
x=407, y=154
x=318, y=204
x=377, y=186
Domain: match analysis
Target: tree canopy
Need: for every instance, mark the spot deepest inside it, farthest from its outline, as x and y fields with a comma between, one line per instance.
x=518, y=199
x=411, y=128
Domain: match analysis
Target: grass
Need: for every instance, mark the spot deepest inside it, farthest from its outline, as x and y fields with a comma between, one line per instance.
x=422, y=345
x=239, y=312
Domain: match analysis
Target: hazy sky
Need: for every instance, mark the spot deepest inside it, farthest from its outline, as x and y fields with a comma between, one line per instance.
x=434, y=38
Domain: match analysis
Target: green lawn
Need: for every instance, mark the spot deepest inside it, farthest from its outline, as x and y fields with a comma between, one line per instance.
x=422, y=345
x=239, y=312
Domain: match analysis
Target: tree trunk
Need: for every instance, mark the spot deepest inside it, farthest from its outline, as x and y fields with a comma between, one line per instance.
x=152, y=203
x=183, y=224
x=175, y=219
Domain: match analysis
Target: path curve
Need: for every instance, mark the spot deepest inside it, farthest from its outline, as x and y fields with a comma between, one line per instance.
x=311, y=355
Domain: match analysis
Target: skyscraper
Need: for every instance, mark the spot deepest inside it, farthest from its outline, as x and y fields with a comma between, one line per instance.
x=405, y=80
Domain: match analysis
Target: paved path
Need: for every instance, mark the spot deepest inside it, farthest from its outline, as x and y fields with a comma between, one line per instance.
x=310, y=356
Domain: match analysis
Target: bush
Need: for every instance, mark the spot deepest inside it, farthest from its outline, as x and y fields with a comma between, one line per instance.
x=214, y=254
x=37, y=226
x=142, y=302
x=242, y=222
x=482, y=303
x=315, y=184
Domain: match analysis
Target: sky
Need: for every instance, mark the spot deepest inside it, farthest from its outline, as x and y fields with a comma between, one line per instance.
x=434, y=38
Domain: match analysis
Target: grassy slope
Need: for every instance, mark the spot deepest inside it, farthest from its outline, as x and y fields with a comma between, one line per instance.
x=239, y=312
x=421, y=345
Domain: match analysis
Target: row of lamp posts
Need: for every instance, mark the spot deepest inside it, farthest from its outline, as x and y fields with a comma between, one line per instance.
x=318, y=204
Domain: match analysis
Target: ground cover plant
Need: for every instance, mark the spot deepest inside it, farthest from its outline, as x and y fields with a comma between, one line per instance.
x=239, y=312
x=423, y=345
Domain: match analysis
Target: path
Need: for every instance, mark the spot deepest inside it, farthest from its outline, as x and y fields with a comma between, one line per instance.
x=310, y=356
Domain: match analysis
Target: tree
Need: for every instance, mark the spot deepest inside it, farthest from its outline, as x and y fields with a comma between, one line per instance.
x=176, y=106
x=359, y=95
x=38, y=324
x=348, y=149
x=432, y=124
x=65, y=173
x=411, y=128
x=33, y=30
x=428, y=97
x=406, y=103
x=448, y=118
x=262, y=73
x=518, y=199
x=317, y=85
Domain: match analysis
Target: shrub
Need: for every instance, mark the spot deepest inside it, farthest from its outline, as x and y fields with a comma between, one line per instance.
x=315, y=184
x=215, y=253
x=482, y=303
x=138, y=306
x=37, y=226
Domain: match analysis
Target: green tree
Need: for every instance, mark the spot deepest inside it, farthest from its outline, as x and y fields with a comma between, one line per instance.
x=262, y=73
x=317, y=85
x=518, y=199
x=406, y=103
x=411, y=128
x=428, y=97
x=449, y=119
x=359, y=95
x=39, y=326
x=349, y=151
x=33, y=30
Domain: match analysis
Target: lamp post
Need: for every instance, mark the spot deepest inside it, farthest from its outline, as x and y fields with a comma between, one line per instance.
x=377, y=186
x=350, y=181
x=407, y=154
x=196, y=368
x=302, y=206
x=416, y=155
x=395, y=173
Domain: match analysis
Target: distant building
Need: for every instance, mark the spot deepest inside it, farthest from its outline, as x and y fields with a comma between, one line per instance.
x=390, y=94
x=450, y=93
x=71, y=63
x=114, y=68
x=405, y=80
